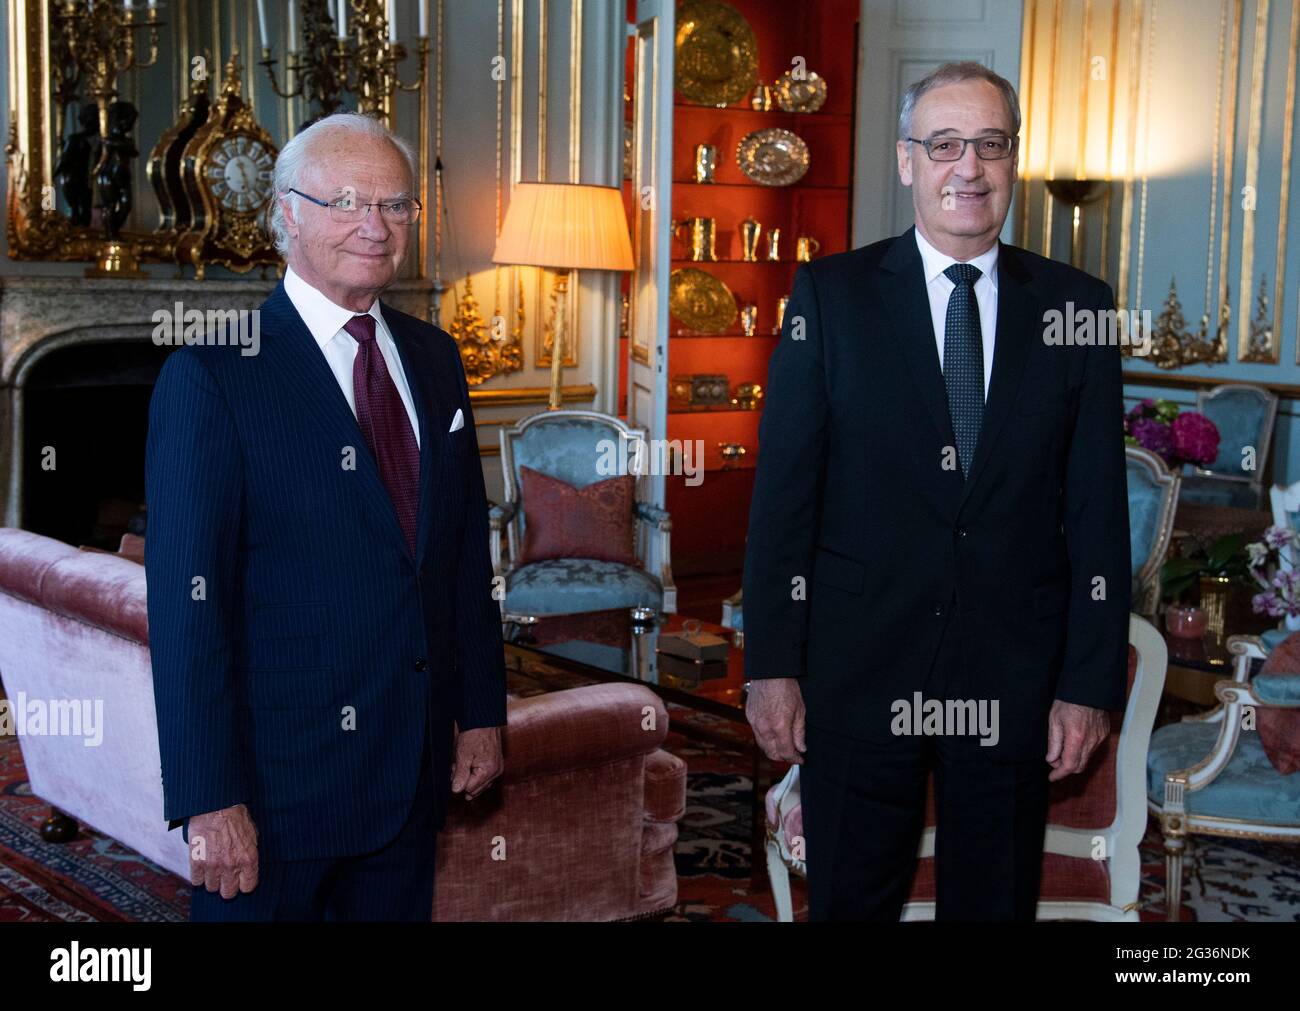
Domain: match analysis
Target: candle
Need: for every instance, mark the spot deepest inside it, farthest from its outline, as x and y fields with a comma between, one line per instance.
x=342, y=19
x=424, y=19
x=293, y=26
x=392, y=23
x=261, y=22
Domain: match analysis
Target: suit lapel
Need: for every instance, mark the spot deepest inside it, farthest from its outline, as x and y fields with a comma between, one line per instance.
x=1018, y=324
x=305, y=373
x=420, y=372
x=908, y=306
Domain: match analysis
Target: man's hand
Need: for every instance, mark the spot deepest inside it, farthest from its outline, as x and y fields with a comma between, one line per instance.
x=478, y=760
x=775, y=710
x=223, y=851
x=1073, y=733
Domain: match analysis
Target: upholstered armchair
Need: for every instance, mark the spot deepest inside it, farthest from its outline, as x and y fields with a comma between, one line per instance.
x=1152, y=501
x=571, y=446
x=1244, y=415
x=1210, y=774
x=1095, y=820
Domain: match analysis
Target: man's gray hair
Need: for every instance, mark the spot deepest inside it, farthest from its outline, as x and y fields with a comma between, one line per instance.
x=297, y=154
x=953, y=73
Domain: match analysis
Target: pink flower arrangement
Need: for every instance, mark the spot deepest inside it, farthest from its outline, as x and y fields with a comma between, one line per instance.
x=1176, y=437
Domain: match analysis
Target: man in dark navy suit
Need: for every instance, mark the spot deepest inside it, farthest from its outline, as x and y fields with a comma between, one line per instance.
x=327, y=655
x=937, y=570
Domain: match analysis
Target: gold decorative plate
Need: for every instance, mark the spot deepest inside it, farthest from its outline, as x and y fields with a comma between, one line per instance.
x=773, y=157
x=700, y=301
x=793, y=95
x=717, y=54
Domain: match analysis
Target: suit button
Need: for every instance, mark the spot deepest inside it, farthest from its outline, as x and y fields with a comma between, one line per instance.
x=961, y=531
x=421, y=663
x=938, y=610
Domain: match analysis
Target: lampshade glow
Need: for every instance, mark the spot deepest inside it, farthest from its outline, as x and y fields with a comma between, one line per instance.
x=565, y=226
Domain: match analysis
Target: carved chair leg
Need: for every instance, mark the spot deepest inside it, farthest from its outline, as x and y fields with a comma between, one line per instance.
x=1174, y=846
x=58, y=827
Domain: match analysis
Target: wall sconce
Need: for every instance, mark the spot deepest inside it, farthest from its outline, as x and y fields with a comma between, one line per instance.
x=1077, y=193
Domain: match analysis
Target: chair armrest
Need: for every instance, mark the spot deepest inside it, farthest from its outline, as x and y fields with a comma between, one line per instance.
x=658, y=558
x=581, y=728
x=499, y=517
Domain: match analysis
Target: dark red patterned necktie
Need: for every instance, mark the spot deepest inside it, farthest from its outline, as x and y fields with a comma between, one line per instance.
x=386, y=425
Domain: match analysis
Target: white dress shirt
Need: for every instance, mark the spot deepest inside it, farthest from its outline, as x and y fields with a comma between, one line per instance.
x=325, y=321
x=939, y=288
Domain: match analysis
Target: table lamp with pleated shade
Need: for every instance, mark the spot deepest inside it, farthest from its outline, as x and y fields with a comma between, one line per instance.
x=564, y=226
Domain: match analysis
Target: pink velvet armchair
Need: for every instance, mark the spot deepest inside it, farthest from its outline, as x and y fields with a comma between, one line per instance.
x=580, y=827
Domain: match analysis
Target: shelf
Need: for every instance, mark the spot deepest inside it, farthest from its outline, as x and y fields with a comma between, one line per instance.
x=732, y=259
x=773, y=113
x=677, y=407
x=792, y=188
x=696, y=335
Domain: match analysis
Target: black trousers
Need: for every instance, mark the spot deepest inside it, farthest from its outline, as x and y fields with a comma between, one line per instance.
x=393, y=883
x=864, y=811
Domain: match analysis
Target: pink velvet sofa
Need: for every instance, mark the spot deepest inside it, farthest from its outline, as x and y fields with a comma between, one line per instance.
x=580, y=827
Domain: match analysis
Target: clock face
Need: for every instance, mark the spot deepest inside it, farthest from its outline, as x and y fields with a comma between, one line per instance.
x=240, y=174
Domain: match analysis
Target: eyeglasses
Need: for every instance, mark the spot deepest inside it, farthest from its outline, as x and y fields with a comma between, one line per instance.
x=994, y=147
x=346, y=209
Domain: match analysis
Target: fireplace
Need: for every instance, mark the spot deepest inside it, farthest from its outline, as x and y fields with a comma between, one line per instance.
x=77, y=368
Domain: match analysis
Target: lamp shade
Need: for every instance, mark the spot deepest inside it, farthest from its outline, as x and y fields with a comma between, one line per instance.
x=565, y=226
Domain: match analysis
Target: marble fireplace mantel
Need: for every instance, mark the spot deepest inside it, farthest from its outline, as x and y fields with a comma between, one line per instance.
x=42, y=314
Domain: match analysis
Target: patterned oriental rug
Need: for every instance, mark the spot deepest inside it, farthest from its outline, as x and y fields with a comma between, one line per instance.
x=94, y=878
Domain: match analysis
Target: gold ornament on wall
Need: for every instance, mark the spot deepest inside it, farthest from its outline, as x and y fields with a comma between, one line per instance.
x=483, y=352
x=1259, y=342
x=1173, y=345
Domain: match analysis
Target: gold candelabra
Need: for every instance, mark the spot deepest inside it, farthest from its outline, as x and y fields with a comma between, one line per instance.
x=95, y=40
x=326, y=65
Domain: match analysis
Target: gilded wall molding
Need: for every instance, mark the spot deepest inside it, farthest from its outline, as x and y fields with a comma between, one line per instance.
x=1254, y=344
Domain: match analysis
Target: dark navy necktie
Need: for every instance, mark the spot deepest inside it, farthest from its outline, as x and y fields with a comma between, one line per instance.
x=963, y=362
x=385, y=424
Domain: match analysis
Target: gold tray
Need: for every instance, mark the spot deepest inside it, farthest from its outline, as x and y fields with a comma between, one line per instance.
x=700, y=301
x=716, y=53
x=807, y=95
x=773, y=157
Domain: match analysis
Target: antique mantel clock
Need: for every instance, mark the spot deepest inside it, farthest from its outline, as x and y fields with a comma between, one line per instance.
x=227, y=171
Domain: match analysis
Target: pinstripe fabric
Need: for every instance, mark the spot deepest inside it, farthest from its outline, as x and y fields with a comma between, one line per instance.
x=299, y=674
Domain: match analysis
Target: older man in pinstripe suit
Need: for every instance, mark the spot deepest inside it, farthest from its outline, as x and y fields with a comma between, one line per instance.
x=326, y=650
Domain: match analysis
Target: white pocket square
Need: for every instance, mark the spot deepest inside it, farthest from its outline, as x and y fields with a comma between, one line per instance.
x=457, y=422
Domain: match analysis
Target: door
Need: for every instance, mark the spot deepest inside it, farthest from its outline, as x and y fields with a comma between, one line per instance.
x=652, y=107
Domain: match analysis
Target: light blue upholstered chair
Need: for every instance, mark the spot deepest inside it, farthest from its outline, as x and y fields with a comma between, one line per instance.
x=1209, y=776
x=569, y=445
x=1152, y=501
x=1244, y=415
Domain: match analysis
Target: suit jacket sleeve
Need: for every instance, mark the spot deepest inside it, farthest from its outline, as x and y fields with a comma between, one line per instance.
x=194, y=492
x=783, y=515
x=1096, y=535
x=480, y=655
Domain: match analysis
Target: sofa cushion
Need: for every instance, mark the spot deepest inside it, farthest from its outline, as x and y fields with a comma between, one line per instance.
x=566, y=522
x=1278, y=681
x=569, y=585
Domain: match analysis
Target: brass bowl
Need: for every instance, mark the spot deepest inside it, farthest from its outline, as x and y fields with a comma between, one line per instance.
x=773, y=157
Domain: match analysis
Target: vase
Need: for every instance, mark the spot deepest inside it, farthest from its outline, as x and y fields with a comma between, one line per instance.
x=1214, y=602
x=1291, y=622
x=1185, y=622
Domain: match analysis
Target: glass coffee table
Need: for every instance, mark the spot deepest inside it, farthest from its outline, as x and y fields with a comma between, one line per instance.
x=610, y=646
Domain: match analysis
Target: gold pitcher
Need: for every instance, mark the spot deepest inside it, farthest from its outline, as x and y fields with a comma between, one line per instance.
x=805, y=248
x=703, y=235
